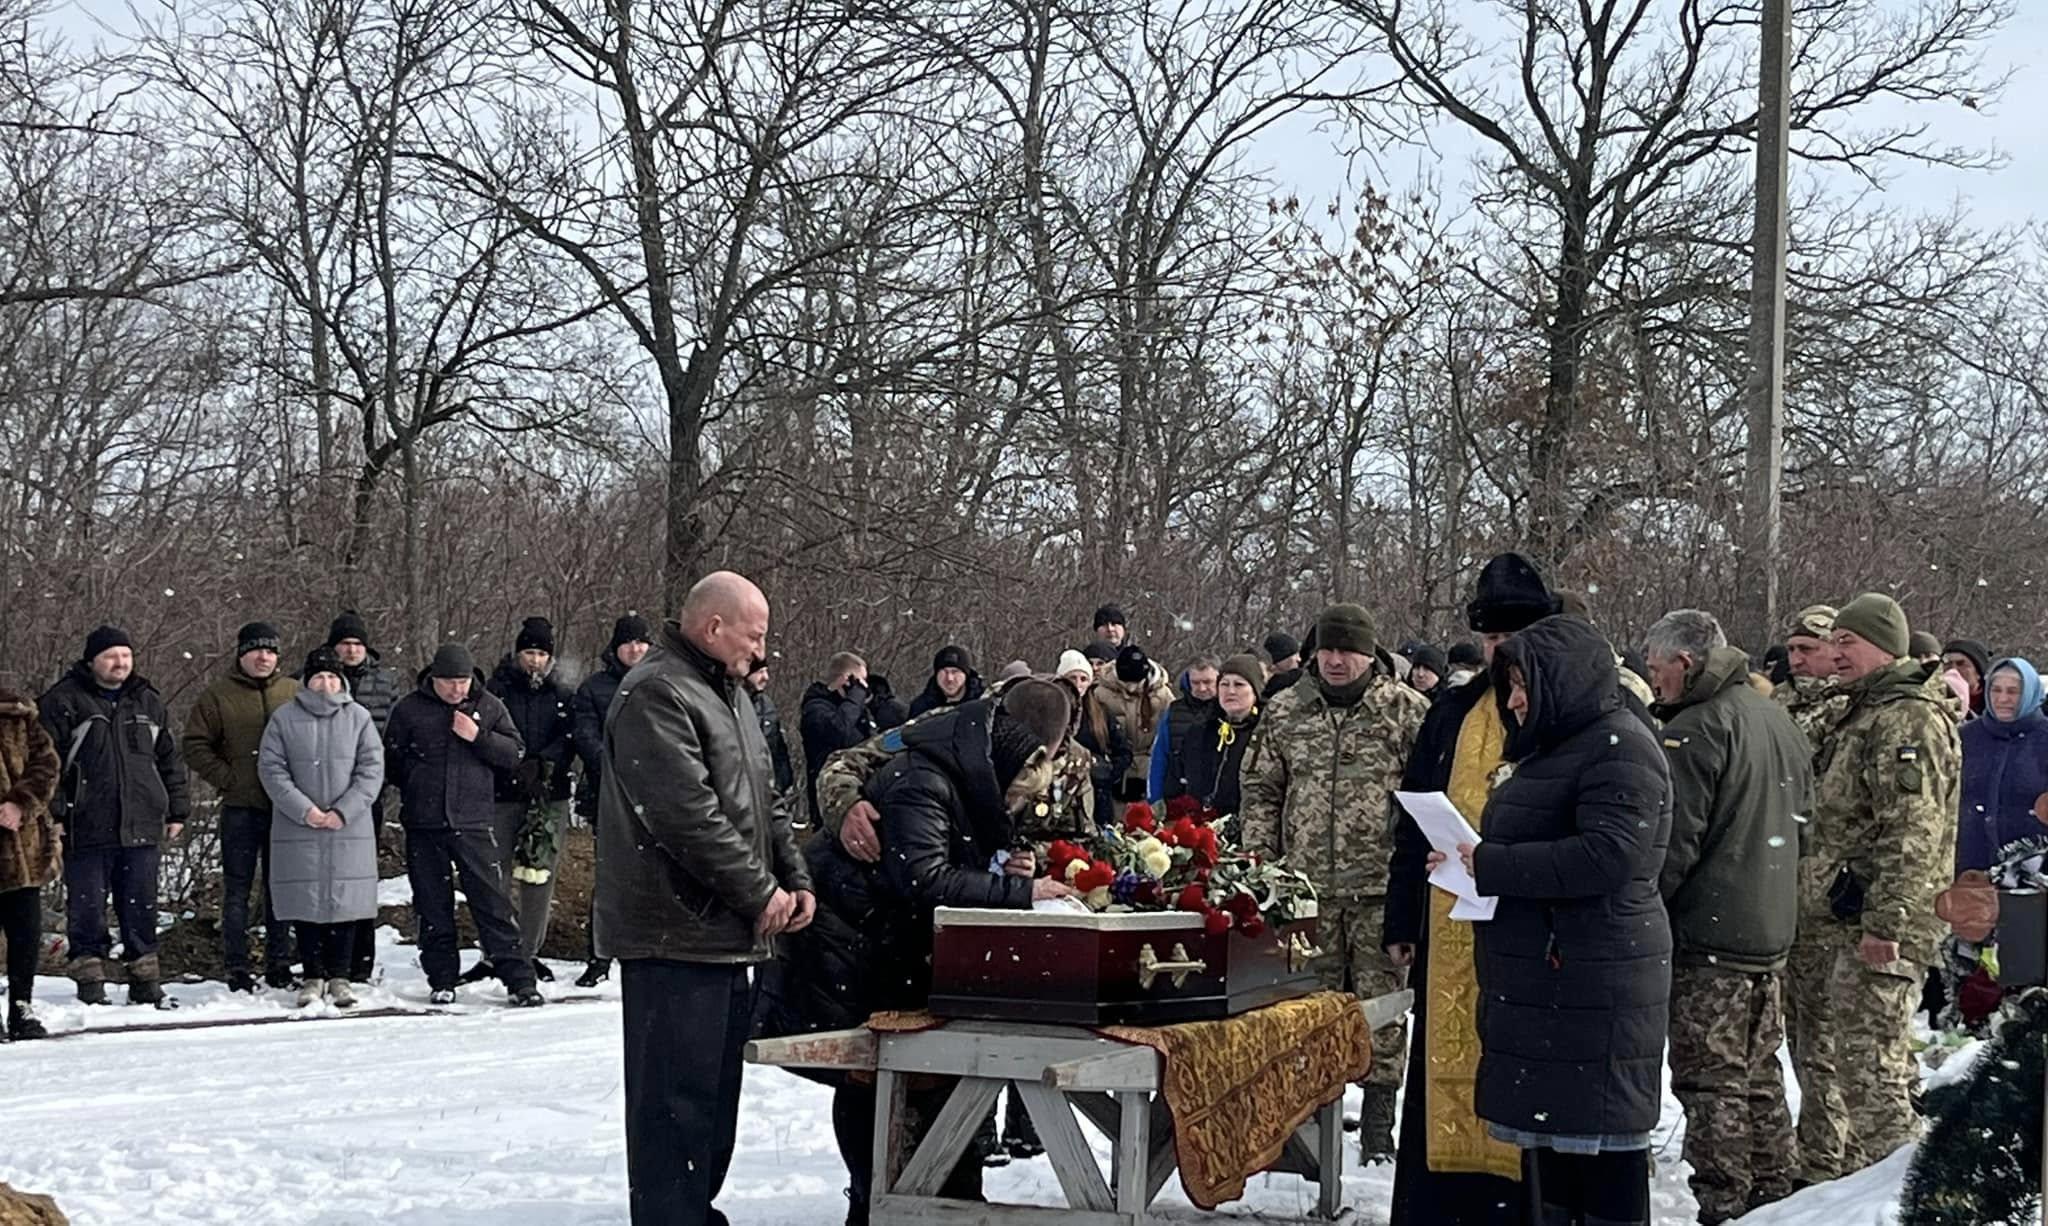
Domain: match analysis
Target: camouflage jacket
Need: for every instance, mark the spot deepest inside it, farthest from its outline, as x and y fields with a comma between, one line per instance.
x=1816, y=704
x=1318, y=782
x=1885, y=808
x=1050, y=799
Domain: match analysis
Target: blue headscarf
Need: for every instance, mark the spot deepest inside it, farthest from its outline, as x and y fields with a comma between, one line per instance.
x=2030, y=688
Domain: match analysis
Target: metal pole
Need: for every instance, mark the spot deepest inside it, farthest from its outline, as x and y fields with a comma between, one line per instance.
x=1757, y=567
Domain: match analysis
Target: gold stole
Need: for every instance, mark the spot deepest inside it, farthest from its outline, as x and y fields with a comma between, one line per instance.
x=1458, y=1142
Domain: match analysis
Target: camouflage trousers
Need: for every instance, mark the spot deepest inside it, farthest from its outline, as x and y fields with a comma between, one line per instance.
x=1354, y=962
x=1810, y=1026
x=1876, y=1067
x=1726, y=1029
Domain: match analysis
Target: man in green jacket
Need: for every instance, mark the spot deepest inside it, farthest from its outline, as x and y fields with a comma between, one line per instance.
x=220, y=742
x=1741, y=776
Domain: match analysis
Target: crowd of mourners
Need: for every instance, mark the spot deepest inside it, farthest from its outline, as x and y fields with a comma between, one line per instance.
x=1698, y=852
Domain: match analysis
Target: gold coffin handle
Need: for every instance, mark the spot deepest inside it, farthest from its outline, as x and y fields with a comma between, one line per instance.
x=1178, y=969
x=1299, y=952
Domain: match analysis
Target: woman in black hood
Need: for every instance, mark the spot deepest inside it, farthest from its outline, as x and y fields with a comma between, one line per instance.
x=1575, y=966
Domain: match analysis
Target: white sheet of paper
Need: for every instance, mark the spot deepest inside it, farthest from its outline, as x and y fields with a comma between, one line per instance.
x=1445, y=828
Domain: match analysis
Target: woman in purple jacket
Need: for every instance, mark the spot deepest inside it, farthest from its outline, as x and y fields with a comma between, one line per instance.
x=2005, y=766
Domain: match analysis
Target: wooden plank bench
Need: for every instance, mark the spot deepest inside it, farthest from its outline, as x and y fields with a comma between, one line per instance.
x=1056, y=1072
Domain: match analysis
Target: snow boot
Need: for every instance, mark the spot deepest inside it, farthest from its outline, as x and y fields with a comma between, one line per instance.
x=241, y=981
x=22, y=1023
x=309, y=993
x=527, y=998
x=1376, y=1126
x=594, y=974
x=856, y=1210
x=476, y=974
x=442, y=996
x=541, y=971
x=279, y=978
x=90, y=974
x=340, y=994
x=143, y=988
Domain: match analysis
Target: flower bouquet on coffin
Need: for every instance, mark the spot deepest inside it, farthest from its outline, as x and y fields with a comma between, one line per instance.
x=1185, y=862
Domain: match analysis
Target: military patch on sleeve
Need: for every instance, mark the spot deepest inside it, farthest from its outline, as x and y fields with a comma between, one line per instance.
x=1911, y=781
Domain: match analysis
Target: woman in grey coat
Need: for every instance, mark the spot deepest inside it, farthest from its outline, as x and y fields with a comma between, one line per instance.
x=322, y=763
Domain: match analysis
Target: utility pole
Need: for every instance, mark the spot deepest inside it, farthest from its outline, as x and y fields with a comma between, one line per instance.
x=1764, y=393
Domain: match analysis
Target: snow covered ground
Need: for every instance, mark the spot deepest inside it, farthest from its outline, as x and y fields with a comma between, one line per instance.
x=491, y=1116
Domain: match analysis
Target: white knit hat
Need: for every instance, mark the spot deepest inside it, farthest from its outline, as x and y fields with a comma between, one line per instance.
x=1072, y=661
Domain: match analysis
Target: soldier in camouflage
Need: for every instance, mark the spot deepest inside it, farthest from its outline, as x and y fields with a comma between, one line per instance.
x=1813, y=698
x=1317, y=785
x=1882, y=839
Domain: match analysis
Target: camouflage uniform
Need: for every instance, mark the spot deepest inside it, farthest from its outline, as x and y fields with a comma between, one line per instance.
x=1318, y=784
x=1885, y=810
x=1725, y=1035
x=1051, y=799
x=1816, y=704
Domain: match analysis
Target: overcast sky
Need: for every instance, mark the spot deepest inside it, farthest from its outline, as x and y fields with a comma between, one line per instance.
x=1309, y=162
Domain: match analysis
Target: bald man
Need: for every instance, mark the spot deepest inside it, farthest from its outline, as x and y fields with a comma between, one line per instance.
x=697, y=874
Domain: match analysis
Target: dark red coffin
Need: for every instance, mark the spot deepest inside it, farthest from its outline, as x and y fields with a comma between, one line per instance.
x=1137, y=967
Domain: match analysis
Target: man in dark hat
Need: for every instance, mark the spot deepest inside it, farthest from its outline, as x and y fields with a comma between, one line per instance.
x=110, y=726
x=221, y=738
x=1111, y=626
x=953, y=682
x=1317, y=786
x=533, y=796
x=374, y=687
x=1449, y=1171
x=1283, y=653
x=632, y=638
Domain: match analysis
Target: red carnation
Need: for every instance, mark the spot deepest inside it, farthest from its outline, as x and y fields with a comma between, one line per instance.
x=1094, y=877
x=1139, y=817
x=1254, y=927
x=1182, y=805
x=1215, y=923
x=1243, y=906
x=1192, y=898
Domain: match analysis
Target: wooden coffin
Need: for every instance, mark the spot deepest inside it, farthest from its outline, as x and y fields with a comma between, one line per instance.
x=1136, y=968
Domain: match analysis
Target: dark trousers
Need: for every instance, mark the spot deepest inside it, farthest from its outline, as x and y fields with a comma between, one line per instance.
x=326, y=949
x=433, y=861
x=21, y=919
x=130, y=874
x=853, y=1126
x=685, y=1025
x=244, y=847
x=1608, y=1189
x=363, y=950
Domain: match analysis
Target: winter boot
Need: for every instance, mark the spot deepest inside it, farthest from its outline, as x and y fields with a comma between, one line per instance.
x=340, y=994
x=22, y=1023
x=442, y=996
x=241, y=981
x=279, y=978
x=527, y=998
x=1376, y=1125
x=541, y=971
x=476, y=974
x=856, y=1210
x=597, y=972
x=90, y=974
x=309, y=993
x=143, y=985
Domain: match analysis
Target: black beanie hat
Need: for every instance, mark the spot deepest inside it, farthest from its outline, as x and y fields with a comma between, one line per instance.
x=1109, y=615
x=323, y=660
x=1430, y=657
x=1979, y=654
x=257, y=636
x=1920, y=644
x=452, y=660
x=350, y=625
x=536, y=634
x=953, y=656
x=105, y=638
x=1132, y=665
x=1280, y=645
x=1101, y=651
x=1466, y=654
x=632, y=628
x=1511, y=597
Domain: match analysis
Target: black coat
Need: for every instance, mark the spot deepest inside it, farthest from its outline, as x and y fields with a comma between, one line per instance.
x=784, y=771
x=123, y=780
x=828, y=722
x=540, y=710
x=942, y=820
x=933, y=698
x=445, y=782
x=1112, y=753
x=1575, y=967
x=1213, y=771
x=375, y=688
x=1429, y=770
x=1178, y=733
x=586, y=726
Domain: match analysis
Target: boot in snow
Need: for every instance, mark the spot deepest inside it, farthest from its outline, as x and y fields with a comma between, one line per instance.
x=91, y=977
x=528, y=997
x=341, y=994
x=241, y=981
x=22, y=1023
x=442, y=996
x=476, y=974
x=594, y=974
x=541, y=971
x=309, y=993
x=1376, y=1125
x=279, y=978
x=143, y=988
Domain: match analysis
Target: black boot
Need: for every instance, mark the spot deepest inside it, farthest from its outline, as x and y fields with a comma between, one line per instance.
x=527, y=998
x=22, y=1024
x=143, y=988
x=541, y=971
x=477, y=974
x=856, y=1210
x=1376, y=1125
x=279, y=978
x=597, y=972
x=241, y=981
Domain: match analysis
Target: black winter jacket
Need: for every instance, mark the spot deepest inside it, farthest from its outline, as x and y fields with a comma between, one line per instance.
x=375, y=689
x=1741, y=773
x=124, y=779
x=784, y=772
x=1575, y=967
x=445, y=782
x=828, y=722
x=1213, y=771
x=586, y=725
x=933, y=697
x=540, y=710
x=1180, y=730
x=942, y=820
x=1112, y=753
x=692, y=840
x=1429, y=770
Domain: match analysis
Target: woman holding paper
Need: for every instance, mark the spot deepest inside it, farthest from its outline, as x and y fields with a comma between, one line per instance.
x=1575, y=967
